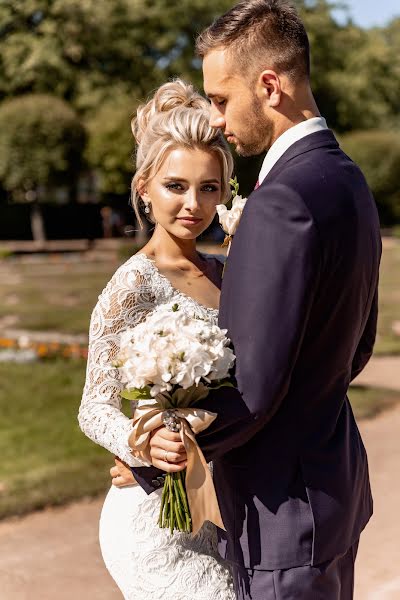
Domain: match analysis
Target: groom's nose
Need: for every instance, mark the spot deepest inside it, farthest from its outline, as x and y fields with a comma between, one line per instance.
x=217, y=120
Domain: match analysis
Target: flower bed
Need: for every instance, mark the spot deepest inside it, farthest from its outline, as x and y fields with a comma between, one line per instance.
x=25, y=349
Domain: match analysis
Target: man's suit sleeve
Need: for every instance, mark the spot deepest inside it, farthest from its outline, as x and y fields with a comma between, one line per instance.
x=269, y=287
x=366, y=344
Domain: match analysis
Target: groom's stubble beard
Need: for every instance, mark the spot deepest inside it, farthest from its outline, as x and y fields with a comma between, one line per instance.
x=258, y=131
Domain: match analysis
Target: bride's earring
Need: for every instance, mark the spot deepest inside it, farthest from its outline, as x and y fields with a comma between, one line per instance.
x=147, y=207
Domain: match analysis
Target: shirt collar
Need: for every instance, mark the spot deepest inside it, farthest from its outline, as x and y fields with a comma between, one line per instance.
x=287, y=139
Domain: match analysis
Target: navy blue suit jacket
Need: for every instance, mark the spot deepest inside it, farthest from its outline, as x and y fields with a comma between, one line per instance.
x=299, y=300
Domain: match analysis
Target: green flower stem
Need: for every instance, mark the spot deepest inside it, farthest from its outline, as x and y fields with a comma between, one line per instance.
x=178, y=497
x=171, y=503
x=174, y=510
x=184, y=515
x=178, y=517
x=163, y=508
x=181, y=485
x=181, y=488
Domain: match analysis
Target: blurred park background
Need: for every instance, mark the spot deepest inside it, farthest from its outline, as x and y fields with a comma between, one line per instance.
x=71, y=75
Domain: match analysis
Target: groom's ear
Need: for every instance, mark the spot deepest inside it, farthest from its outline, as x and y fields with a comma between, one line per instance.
x=271, y=87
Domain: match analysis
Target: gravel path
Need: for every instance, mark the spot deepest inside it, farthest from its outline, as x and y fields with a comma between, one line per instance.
x=378, y=564
x=54, y=554
x=381, y=371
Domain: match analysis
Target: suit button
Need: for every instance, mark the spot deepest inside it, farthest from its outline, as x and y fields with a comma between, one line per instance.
x=156, y=483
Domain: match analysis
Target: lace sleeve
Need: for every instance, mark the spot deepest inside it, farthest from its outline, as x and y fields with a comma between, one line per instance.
x=124, y=303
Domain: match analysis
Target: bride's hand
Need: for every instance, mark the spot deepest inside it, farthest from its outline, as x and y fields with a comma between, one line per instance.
x=121, y=474
x=167, y=451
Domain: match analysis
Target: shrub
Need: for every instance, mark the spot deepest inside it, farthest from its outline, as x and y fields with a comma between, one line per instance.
x=5, y=253
x=396, y=232
x=110, y=146
x=41, y=142
x=377, y=153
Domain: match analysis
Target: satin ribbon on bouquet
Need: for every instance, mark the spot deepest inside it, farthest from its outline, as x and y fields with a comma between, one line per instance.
x=200, y=489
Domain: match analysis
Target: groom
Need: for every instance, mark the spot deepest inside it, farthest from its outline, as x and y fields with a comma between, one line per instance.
x=299, y=300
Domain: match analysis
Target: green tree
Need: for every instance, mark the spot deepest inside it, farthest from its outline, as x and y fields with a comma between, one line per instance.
x=110, y=144
x=327, y=51
x=369, y=83
x=41, y=144
x=103, y=58
x=355, y=72
x=82, y=49
x=378, y=155
x=85, y=51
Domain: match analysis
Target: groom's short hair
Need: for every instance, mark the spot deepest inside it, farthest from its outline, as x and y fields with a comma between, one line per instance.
x=261, y=33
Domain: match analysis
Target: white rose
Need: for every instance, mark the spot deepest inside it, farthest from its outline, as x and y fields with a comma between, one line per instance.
x=229, y=219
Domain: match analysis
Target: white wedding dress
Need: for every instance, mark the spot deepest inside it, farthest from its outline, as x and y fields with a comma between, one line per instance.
x=147, y=563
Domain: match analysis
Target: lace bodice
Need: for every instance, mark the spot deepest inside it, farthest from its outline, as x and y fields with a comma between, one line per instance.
x=135, y=289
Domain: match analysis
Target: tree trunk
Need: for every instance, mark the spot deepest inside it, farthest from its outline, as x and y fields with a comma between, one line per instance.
x=37, y=225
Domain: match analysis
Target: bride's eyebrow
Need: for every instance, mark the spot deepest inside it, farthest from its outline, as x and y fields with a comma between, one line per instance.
x=182, y=180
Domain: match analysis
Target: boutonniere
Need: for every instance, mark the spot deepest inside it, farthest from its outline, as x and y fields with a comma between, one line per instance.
x=229, y=219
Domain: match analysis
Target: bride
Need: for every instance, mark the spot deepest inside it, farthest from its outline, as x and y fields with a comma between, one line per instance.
x=183, y=172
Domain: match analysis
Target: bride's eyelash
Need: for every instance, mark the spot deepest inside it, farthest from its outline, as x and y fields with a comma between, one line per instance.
x=209, y=187
x=173, y=186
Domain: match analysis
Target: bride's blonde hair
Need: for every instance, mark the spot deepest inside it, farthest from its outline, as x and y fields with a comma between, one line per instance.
x=176, y=116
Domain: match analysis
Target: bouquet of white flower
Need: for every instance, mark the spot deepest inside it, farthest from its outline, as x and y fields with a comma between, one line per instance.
x=168, y=363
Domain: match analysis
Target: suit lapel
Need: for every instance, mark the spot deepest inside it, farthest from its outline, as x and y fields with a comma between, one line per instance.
x=319, y=139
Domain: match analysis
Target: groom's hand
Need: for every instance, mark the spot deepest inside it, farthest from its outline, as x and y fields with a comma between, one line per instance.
x=167, y=451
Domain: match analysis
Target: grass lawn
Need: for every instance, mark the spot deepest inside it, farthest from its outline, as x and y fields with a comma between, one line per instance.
x=389, y=301
x=60, y=296
x=369, y=402
x=52, y=296
x=46, y=459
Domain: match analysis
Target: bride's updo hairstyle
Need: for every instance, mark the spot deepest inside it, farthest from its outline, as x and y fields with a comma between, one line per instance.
x=176, y=117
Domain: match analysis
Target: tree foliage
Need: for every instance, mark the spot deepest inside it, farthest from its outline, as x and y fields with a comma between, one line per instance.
x=41, y=142
x=88, y=51
x=355, y=72
x=103, y=58
x=110, y=145
x=377, y=153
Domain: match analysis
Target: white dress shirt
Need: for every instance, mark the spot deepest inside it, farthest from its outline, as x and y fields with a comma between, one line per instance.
x=292, y=135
